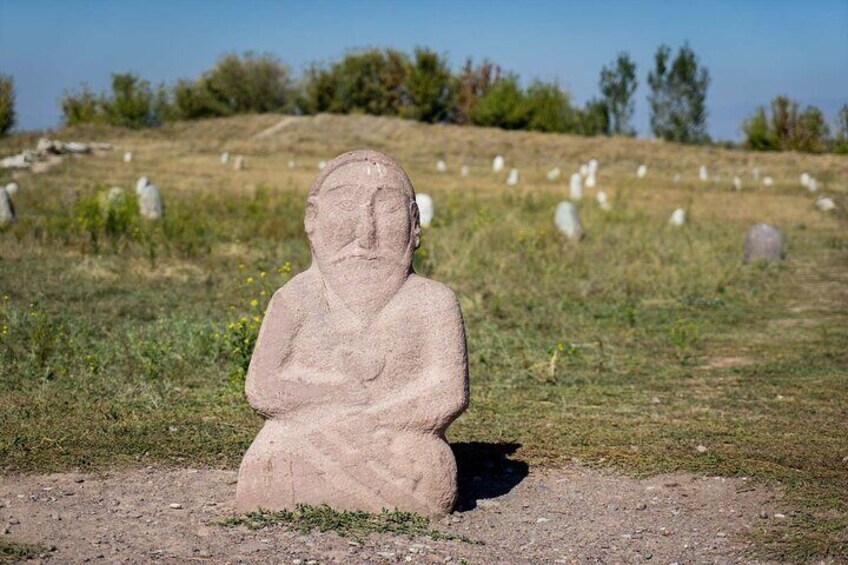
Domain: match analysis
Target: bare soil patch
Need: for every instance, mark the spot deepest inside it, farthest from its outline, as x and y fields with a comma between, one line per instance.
x=549, y=515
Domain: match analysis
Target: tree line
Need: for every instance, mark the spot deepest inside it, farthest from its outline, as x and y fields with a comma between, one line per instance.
x=419, y=85
x=422, y=86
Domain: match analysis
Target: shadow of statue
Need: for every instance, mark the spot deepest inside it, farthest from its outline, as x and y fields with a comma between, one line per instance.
x=485, y=471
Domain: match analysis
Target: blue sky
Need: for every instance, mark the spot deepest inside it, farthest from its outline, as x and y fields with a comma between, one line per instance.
x=754, y=50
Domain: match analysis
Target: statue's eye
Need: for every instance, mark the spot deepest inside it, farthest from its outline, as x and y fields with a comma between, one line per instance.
x=346, y=205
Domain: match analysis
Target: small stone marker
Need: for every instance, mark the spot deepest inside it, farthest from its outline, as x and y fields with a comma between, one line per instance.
x=702, y=173
x=464, y=171
x=593, y=166
x=584, y=171
x=321, y=165
x=575, y=187
x=7, y=209
x=512, y=179
x=76, y=147
x=498, y=164
x=12, y=188
x=567, y=220
x=591, y=181
x=140, y=184
x=554, y=174
x=128, y=157
x=238, y=163
x=150, y=203
x=225, y=158
x=292, y=164
x=642, y=171
x=825, y=204
x=813, y=185
x=441, y=166
x=678, y=217
x=603, y=201
x=756, y=173
x=805, y=180
x=768, y=181
x=360, y=364
x=763, y=242
x=425, y=209
x=676, y=179
x=737, y=183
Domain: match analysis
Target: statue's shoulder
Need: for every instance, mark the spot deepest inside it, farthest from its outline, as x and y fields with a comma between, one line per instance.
x=299, y=293
x=429, y=295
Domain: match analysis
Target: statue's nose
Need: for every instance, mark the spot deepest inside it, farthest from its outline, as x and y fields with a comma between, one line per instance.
x=366, y=228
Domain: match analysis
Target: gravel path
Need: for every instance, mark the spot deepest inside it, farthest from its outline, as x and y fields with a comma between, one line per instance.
x=551, y=515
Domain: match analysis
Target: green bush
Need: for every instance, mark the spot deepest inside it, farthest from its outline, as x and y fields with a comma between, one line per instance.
x=428, y=85
x=7, y=103
x=504, y=106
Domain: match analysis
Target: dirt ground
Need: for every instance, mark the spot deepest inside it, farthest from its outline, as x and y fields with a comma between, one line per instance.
x=539, y=515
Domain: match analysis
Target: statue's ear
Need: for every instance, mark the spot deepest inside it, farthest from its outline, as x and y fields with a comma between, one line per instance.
x=415, y=215
x=311, y=216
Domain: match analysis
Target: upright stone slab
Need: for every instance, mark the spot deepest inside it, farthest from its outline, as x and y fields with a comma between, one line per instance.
x=498, y=164
x=225, y=158
x=464, y=171
x=140, y=184
x=7, y=209
x=642, y=171
x=678, y=217
x=360, y=364
x=737, y=183
x=425, y=209
x=567, y=220
x=676, y=179
x=825, y=204
x=12, y=188
x=584, y=170
x=763, y=242
x=702, y=174
x=512, y=179
x=768, y=181
x=238, y=163
x=128, y=157
x=575, y=187
x=441, y=166
x=150, y=203
x=591, y=180
x=813, y=185
x=805, y=180
x=603, y=200
x=554, y=174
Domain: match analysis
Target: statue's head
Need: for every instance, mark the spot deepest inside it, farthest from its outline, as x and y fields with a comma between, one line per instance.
x=361, y=218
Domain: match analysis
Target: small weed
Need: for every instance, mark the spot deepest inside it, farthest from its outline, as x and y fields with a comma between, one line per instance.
x=15, y=552
x=346, y=523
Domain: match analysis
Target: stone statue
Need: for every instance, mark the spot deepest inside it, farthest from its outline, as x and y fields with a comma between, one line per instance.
x=360, y=364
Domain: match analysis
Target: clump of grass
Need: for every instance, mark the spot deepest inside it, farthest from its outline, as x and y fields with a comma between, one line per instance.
x=14, y=552
x=355, y=524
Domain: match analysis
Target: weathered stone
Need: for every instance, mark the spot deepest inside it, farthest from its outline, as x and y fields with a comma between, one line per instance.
x=498, y=164
x=150, y=203
x=584, y=170
x=567, y=220
x=140, y=184
x=702, y=174
x=768, y=181
x=128, y=157
x=813, y=185
x=7, y=208
x=22, y=160
x=678, y=217
x=11, y=188
x=321, y=165
x=464, y=171
x=737, y=183
x=603, y=201
x=763, y=242
x=77, y=147
x=441, y=166
x=238, y=163
x=425, y=209
x=805, y=180
x=554, y=174
x=512, y=179
x=591, y=180
x=593, y=166
x=225, y=158
x=677, y=178
x=360, y=364
x=755, y=173
x=825, y=204
x=292, y=164
x=575, y=187
x=642, y=171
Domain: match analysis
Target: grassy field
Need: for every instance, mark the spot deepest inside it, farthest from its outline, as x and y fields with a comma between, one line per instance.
x=124, y=342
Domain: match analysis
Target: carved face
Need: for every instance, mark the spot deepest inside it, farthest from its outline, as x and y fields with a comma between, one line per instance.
x=362, y=224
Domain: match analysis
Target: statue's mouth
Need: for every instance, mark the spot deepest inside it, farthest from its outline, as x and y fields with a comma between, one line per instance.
x=357, y=256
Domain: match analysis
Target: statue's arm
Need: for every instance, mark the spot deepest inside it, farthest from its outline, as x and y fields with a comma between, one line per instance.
x=439, y=393
x=265, y=388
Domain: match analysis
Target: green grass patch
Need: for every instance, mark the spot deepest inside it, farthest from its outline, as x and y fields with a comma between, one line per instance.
x=353, y=524
x=15, y=552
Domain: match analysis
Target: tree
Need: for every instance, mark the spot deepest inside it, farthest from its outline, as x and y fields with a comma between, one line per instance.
x=594, y=119
x=503, y=106
x=249, y=83
x=758, y=134
x=811, y=132
x=840, y=140
x=618, y=84
x=471, y=85
x=7, y=103
x=82, y=107
x=678, y=96
x=131, y=103
x=429, y=87
x=548, y=108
